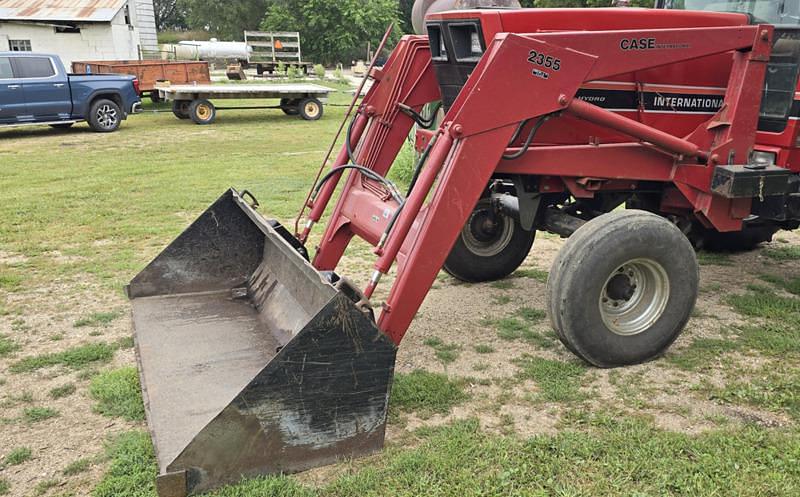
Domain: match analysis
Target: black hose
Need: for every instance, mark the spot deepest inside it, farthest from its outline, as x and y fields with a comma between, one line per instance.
x=347, y=138
x=519, y=153
x=369, y=173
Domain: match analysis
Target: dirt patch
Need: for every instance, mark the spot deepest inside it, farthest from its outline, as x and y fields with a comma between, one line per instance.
x=44, y=318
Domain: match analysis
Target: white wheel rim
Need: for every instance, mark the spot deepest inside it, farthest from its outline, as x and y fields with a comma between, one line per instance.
x=106, y=116
x=486, y=234
x=634, y=296
x=312, y=109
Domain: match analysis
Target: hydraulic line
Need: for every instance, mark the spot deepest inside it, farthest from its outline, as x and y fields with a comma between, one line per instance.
x=369, y=173
x=531, y=134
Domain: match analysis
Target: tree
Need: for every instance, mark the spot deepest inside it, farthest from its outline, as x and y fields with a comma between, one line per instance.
x=333, y=31
x=169, y=15
x=405, y=15
x=227, y=19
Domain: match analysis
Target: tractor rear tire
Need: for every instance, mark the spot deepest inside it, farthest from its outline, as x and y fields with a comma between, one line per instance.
x=489, y=247
x=202, y=111
x=623, y=288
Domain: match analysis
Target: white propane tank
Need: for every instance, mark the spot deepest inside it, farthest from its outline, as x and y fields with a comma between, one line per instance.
x=216, y=50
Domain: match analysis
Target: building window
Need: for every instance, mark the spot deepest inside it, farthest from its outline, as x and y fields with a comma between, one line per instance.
x=19, y=45
x=68, y=29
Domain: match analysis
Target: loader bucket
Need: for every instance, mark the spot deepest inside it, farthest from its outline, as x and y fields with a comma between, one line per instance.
x=251, y=361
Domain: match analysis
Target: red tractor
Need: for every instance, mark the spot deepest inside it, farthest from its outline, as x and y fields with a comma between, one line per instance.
x=256, y=358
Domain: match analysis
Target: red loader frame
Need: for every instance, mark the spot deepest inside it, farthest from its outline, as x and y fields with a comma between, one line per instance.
x=470, y=146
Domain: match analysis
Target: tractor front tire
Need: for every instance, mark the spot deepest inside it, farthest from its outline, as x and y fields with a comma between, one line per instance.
x=202, y=111
x=489, y=247
x=622, y=288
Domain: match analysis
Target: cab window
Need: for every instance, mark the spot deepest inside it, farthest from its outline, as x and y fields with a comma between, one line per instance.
x=5, y=68
x=34, y=67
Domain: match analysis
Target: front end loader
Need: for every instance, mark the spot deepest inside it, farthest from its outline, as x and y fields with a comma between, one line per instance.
x=256, y=358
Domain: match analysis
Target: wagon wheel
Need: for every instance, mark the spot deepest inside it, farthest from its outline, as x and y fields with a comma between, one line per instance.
x=181, y=108
x=290, y=106
x=311, y=109
x=202, y=111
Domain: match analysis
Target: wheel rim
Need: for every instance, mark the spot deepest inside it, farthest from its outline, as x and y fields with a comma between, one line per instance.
x=486, y=233
x=203, y=112
x=634, y=297
x=106, y=116
x=312, y=109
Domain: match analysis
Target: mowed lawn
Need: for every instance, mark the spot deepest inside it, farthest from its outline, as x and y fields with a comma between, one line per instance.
x=106, y=204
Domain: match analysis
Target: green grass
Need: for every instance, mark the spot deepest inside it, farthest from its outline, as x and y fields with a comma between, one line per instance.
x=36, y=414
x=445, y=352
x=558, y=381
x=713, y=259
x=506, y=284
x=782, y=254
x=702, y=354
x=426, y=393
x=7, y=346
x=98, y=319
x=775, y=389
x=132, y=468
x=10, y=282
x=77, y=467
x=75, y=358
x=18, y=456
x=138, y=188
x=5, y=486
x=43, y=486
x=483, y=349
x=610, y=454
x=118, y=394
x=536, y=274
x=521, y=326
x=791, y=285
x=62, y=391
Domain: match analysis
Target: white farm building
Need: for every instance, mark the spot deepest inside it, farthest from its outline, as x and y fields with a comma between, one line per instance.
x=79, y=29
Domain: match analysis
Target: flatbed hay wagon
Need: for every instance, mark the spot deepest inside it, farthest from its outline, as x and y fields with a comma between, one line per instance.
x=258, y=357
x=194, y=101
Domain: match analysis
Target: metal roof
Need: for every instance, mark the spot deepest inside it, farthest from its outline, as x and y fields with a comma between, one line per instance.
x=60, y=10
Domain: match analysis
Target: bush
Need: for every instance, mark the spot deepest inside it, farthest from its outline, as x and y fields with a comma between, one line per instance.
x=281, y=69
x=319, y=71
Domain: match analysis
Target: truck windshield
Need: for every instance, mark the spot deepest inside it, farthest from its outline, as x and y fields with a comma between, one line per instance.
x=779, y=12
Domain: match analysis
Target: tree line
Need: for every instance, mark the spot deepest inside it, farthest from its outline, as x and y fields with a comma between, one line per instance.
x=331, y=30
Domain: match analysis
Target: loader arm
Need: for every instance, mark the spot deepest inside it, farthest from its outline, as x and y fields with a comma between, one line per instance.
x=474, y=136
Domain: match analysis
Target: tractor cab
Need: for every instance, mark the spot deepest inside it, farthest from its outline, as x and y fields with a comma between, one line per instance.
x=777, y=12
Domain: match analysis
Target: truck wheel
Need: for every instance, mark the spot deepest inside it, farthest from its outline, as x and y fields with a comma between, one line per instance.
x=290, y=106
x=622, y=288
x=202, y=111
x=105, y=116
x=310, y=109
x=155, y=97
x=181, y=108
x=490, y=246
